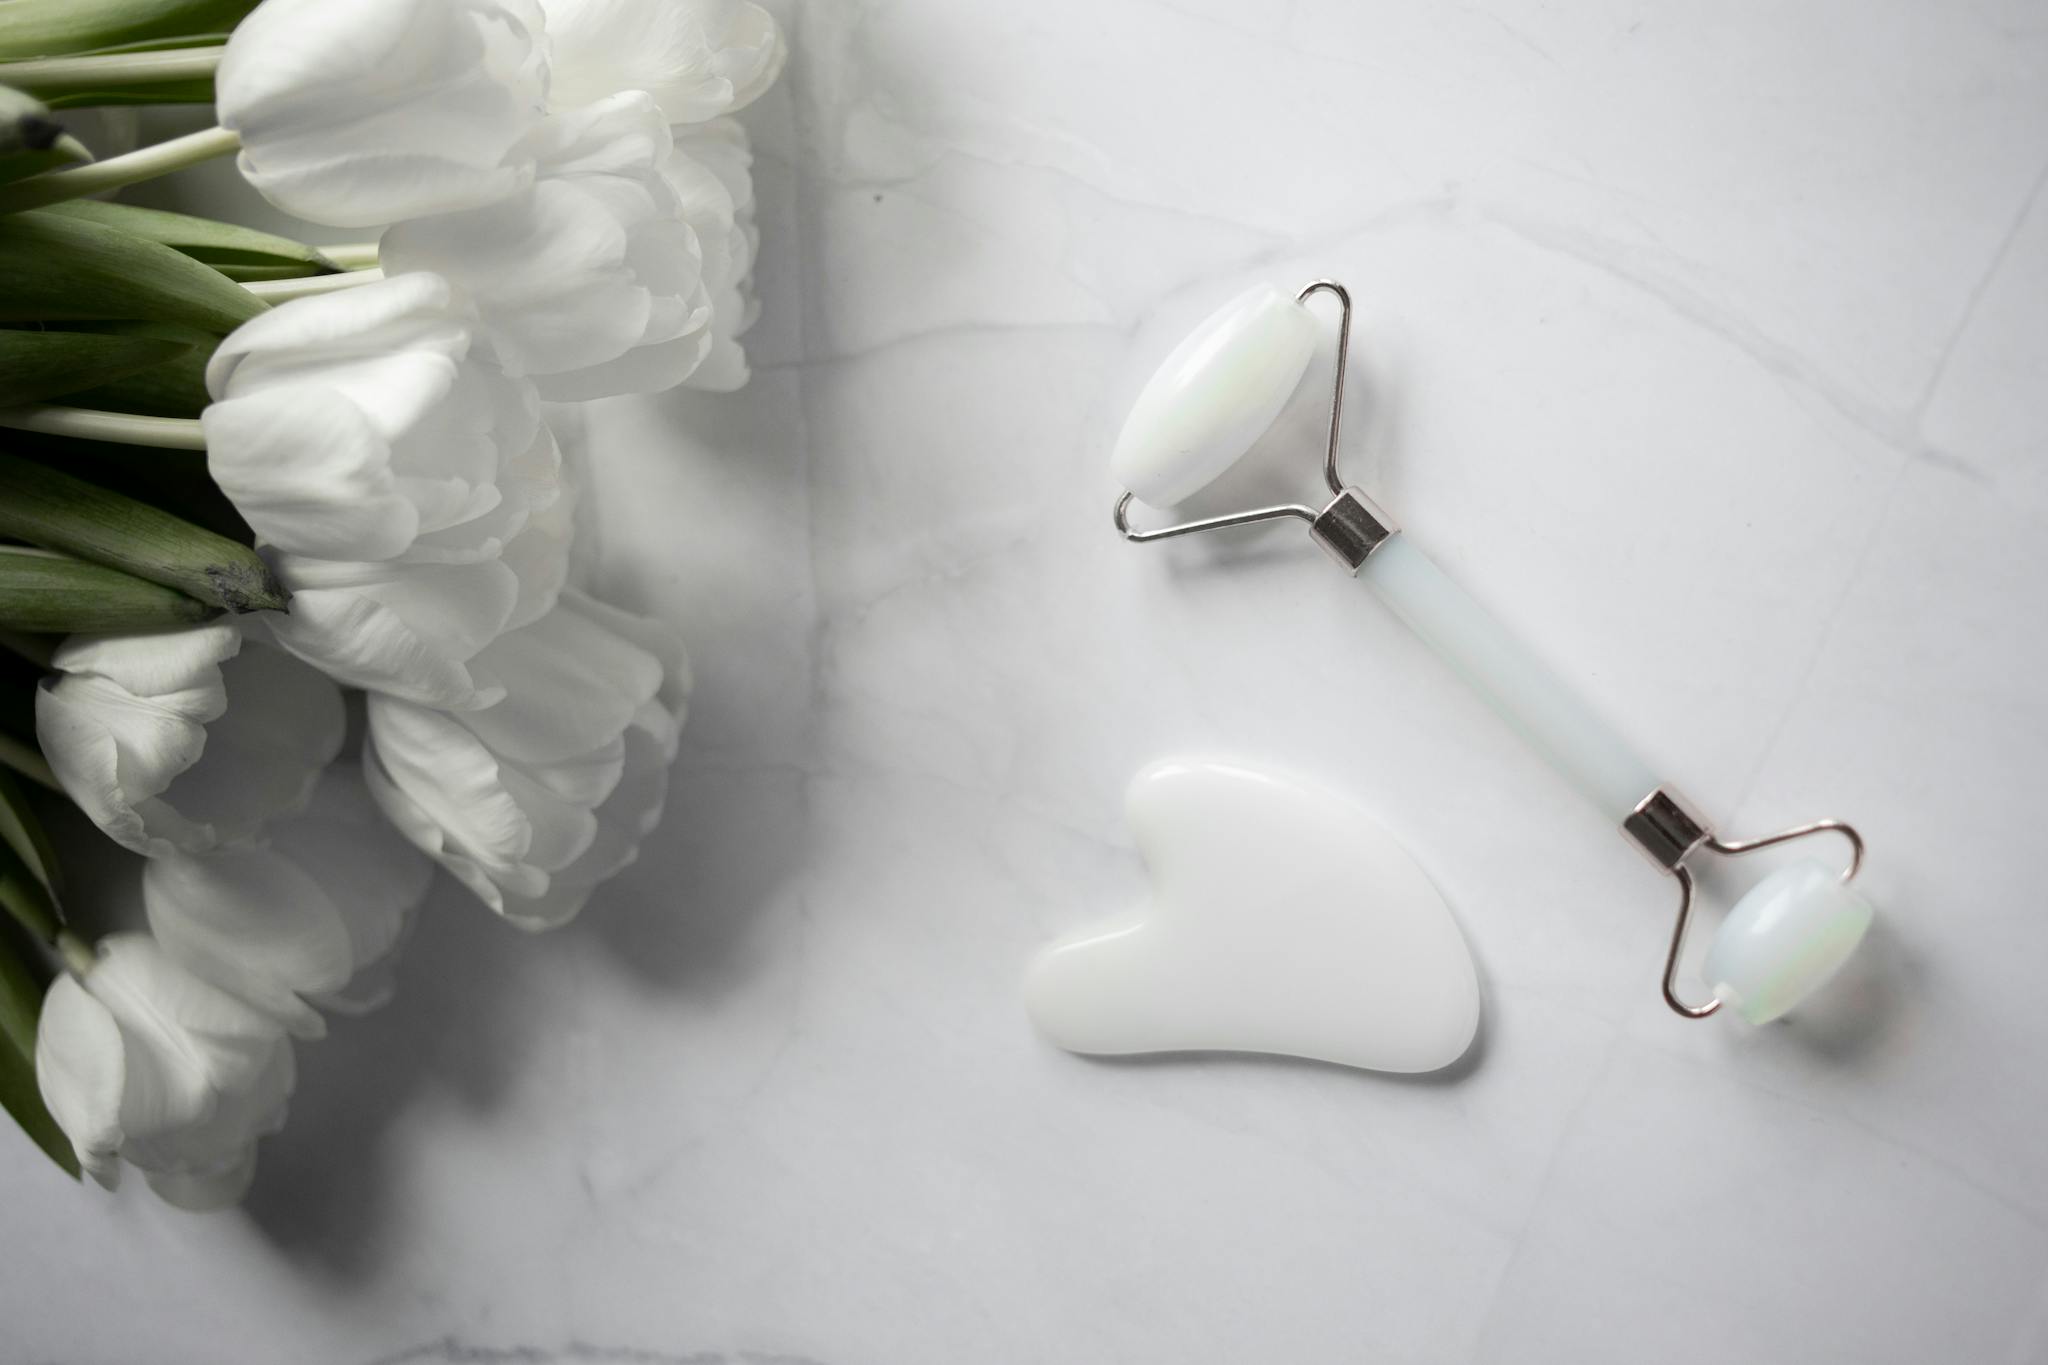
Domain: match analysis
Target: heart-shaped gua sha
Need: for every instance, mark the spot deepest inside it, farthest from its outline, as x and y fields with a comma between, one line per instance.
x=1284, y=919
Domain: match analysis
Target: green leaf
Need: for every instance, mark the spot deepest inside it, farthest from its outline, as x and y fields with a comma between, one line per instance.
x=35, y=365
x=163, y=92
x=176, y=388
x=58, y=595
x=22, y=832
x=26, y=900
x=50, y=28
x=21, y=1006
x=55, y=267
x=18, y=755
x=47, y=507
x=175, y=480
x=157, y=76
x=22, y=165
x=159, y=44
x=220, y=245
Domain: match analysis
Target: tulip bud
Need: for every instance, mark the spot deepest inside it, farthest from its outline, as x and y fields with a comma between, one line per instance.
x=620, y=304
x=374, y=111
x=369, y=424
x=697, y=58
x=533, y=801
x=185, y=739
x=143, y=1062
x=291, y=924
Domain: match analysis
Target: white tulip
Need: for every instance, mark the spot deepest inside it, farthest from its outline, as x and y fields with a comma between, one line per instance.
x=533, y=801
x=185, y=740
x=698, y=58
x=144, y=1062
x=368, y=424
x=539, y=555
x=414, y=630
x=294, y=922
x=589, y=281
x=710, y=169
x=368, y=112
x=633, y=809
x=390, y=626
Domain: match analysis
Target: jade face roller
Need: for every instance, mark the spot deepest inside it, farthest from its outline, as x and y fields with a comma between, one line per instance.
x=1220, y=390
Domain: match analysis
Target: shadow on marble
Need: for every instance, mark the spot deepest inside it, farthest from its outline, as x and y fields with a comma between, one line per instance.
x=472, y=999
x=683, y=916
x=453, y=1028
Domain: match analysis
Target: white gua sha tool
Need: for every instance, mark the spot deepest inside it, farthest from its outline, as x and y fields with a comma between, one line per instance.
x=1284, y=919
x=1220, y=390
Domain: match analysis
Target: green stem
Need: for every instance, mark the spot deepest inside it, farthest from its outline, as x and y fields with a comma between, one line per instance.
x=50, y=77
x=77, y=953
x=352, y=255
x=280, y=291
x=122, y=428
x=54, y=187
x=27, y=760
x=73, y=148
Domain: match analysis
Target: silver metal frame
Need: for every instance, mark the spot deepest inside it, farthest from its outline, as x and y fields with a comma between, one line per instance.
x=1667, y=831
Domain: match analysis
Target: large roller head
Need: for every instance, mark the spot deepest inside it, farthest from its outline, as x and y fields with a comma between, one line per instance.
x=1784, y=939
x=1214, y=396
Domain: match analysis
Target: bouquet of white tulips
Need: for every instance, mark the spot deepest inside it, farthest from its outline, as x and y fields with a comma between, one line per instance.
x=241, y=477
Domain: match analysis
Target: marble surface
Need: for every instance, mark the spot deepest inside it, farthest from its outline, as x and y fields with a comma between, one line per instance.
x=1702, y=340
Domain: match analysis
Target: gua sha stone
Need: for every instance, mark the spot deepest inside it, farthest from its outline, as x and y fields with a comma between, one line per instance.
x=1283, y=919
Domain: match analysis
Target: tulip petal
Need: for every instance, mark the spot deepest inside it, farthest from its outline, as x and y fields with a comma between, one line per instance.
x=572, y=685
x=539, y=558
x=196, y=1158
x=413, y=313
x=309, y=475
x=124, y=716
x=172, y=666
x=186, y=1043
x=321, y=94
x=366, y=425
x=656, y=637
x=283, y=723
x=374, y=877
x=253, y=923
x=80, y=1065
x=216, y=1188
x=412, y=820
x=544, y=272
x=405, y=629
x=591, y=280
x=142, y=1061
x=644, y=369
x=457, y=785
x=625, y=818
x=699, y=58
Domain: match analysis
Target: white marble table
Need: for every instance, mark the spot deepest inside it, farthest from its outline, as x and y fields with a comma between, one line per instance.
x=1705, y=341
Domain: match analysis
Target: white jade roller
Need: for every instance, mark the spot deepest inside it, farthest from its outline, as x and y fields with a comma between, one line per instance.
x=1220, y=390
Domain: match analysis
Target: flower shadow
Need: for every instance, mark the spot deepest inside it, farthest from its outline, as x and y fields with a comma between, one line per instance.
x=322, y=1185
x=466, y=1022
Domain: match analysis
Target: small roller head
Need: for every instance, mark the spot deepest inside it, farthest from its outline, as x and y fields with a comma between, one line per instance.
x=1214, y=396
x=1784, y=940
